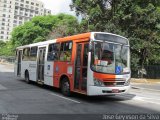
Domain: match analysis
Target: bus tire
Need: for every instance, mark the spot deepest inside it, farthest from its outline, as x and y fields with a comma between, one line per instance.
x=65, y=87
x=27, y=77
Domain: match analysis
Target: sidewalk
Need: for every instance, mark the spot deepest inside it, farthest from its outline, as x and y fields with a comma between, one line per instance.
x=143, y=80
x=148, y=84
x=7, y=63
x=6, y=67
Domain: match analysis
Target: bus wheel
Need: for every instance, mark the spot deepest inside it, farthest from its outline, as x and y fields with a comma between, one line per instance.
x=27, y=77
x=65, y=87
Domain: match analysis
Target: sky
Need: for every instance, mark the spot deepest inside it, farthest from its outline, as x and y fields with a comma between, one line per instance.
x=58, y=6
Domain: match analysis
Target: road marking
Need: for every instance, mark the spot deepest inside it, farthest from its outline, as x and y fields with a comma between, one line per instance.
x=140, y=98
x=65, y=98
x=2, y=87
x=145, y=89
x=149, y=98
x=143, y=99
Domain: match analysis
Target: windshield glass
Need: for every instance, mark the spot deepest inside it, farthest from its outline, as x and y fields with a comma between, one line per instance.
x=110, y=58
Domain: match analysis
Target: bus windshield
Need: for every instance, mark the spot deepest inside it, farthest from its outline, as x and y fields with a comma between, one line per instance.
x=110, y=58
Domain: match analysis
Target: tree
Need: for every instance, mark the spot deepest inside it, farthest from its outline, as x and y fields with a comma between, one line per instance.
x=40, y=28
x=6, y=49
x=2, y=44
x=67, y=25
x=34, y=31
x=138, y=20
x=95, y=13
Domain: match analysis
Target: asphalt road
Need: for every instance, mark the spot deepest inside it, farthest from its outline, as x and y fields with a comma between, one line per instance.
x=18, y=97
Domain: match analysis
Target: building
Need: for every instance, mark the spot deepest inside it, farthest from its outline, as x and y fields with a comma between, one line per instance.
x=16, y=12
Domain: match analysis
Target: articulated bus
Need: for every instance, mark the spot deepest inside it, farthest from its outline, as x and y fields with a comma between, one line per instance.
x=95, y=63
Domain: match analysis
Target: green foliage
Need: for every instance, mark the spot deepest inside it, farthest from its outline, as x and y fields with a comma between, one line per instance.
x=6, y=49
x=2, y=44
x=138, y=20
x=66, y=25
x=34, y=31
x=96, y=12
x=40, y=28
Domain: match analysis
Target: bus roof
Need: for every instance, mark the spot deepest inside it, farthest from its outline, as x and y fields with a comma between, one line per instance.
x=74, y=37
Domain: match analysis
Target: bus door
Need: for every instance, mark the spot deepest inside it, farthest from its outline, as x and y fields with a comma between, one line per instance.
x=81, y=63
x=19, y=63
x=40, y=66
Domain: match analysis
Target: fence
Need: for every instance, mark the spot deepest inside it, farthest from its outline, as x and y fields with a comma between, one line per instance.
x=9, y=59
x=153, y=71
x=150, y=71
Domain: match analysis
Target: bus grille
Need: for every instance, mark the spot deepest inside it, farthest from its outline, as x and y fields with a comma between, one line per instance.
x=114, y=83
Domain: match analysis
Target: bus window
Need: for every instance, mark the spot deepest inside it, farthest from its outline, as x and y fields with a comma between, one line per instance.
x=33, y=53
x=66, y=51
x=108, y=57
x=26, y=52
x=85, y=55
x=53, y=52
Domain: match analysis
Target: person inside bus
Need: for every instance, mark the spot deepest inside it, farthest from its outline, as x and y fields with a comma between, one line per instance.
x=65, y=56
x=107, y=56
x=103, y=56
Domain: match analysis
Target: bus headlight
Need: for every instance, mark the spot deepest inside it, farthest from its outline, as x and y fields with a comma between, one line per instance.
x=127, y=82
x=98, y=83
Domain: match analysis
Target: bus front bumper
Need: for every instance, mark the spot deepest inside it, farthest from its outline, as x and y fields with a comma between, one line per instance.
x=96, y=90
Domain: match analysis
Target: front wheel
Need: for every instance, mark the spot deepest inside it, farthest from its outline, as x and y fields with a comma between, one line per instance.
x=65, y=87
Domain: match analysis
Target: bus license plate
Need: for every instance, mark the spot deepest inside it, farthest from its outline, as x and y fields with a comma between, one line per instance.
x=115, y=91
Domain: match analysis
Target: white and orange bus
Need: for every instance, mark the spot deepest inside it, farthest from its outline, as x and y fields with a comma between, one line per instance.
x=95, y=63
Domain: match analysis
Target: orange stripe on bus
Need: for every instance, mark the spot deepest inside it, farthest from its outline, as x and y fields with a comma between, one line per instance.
x=104, y=77
x=74, y=37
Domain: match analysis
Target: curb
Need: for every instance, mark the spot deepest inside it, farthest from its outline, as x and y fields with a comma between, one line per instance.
x=134, y=87
x=156, y=81
x=6, y=63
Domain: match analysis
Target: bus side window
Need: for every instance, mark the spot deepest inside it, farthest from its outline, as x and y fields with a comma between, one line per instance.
x=26, y=52
x=33, y=53
x=66, y=51
x=53, y=52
